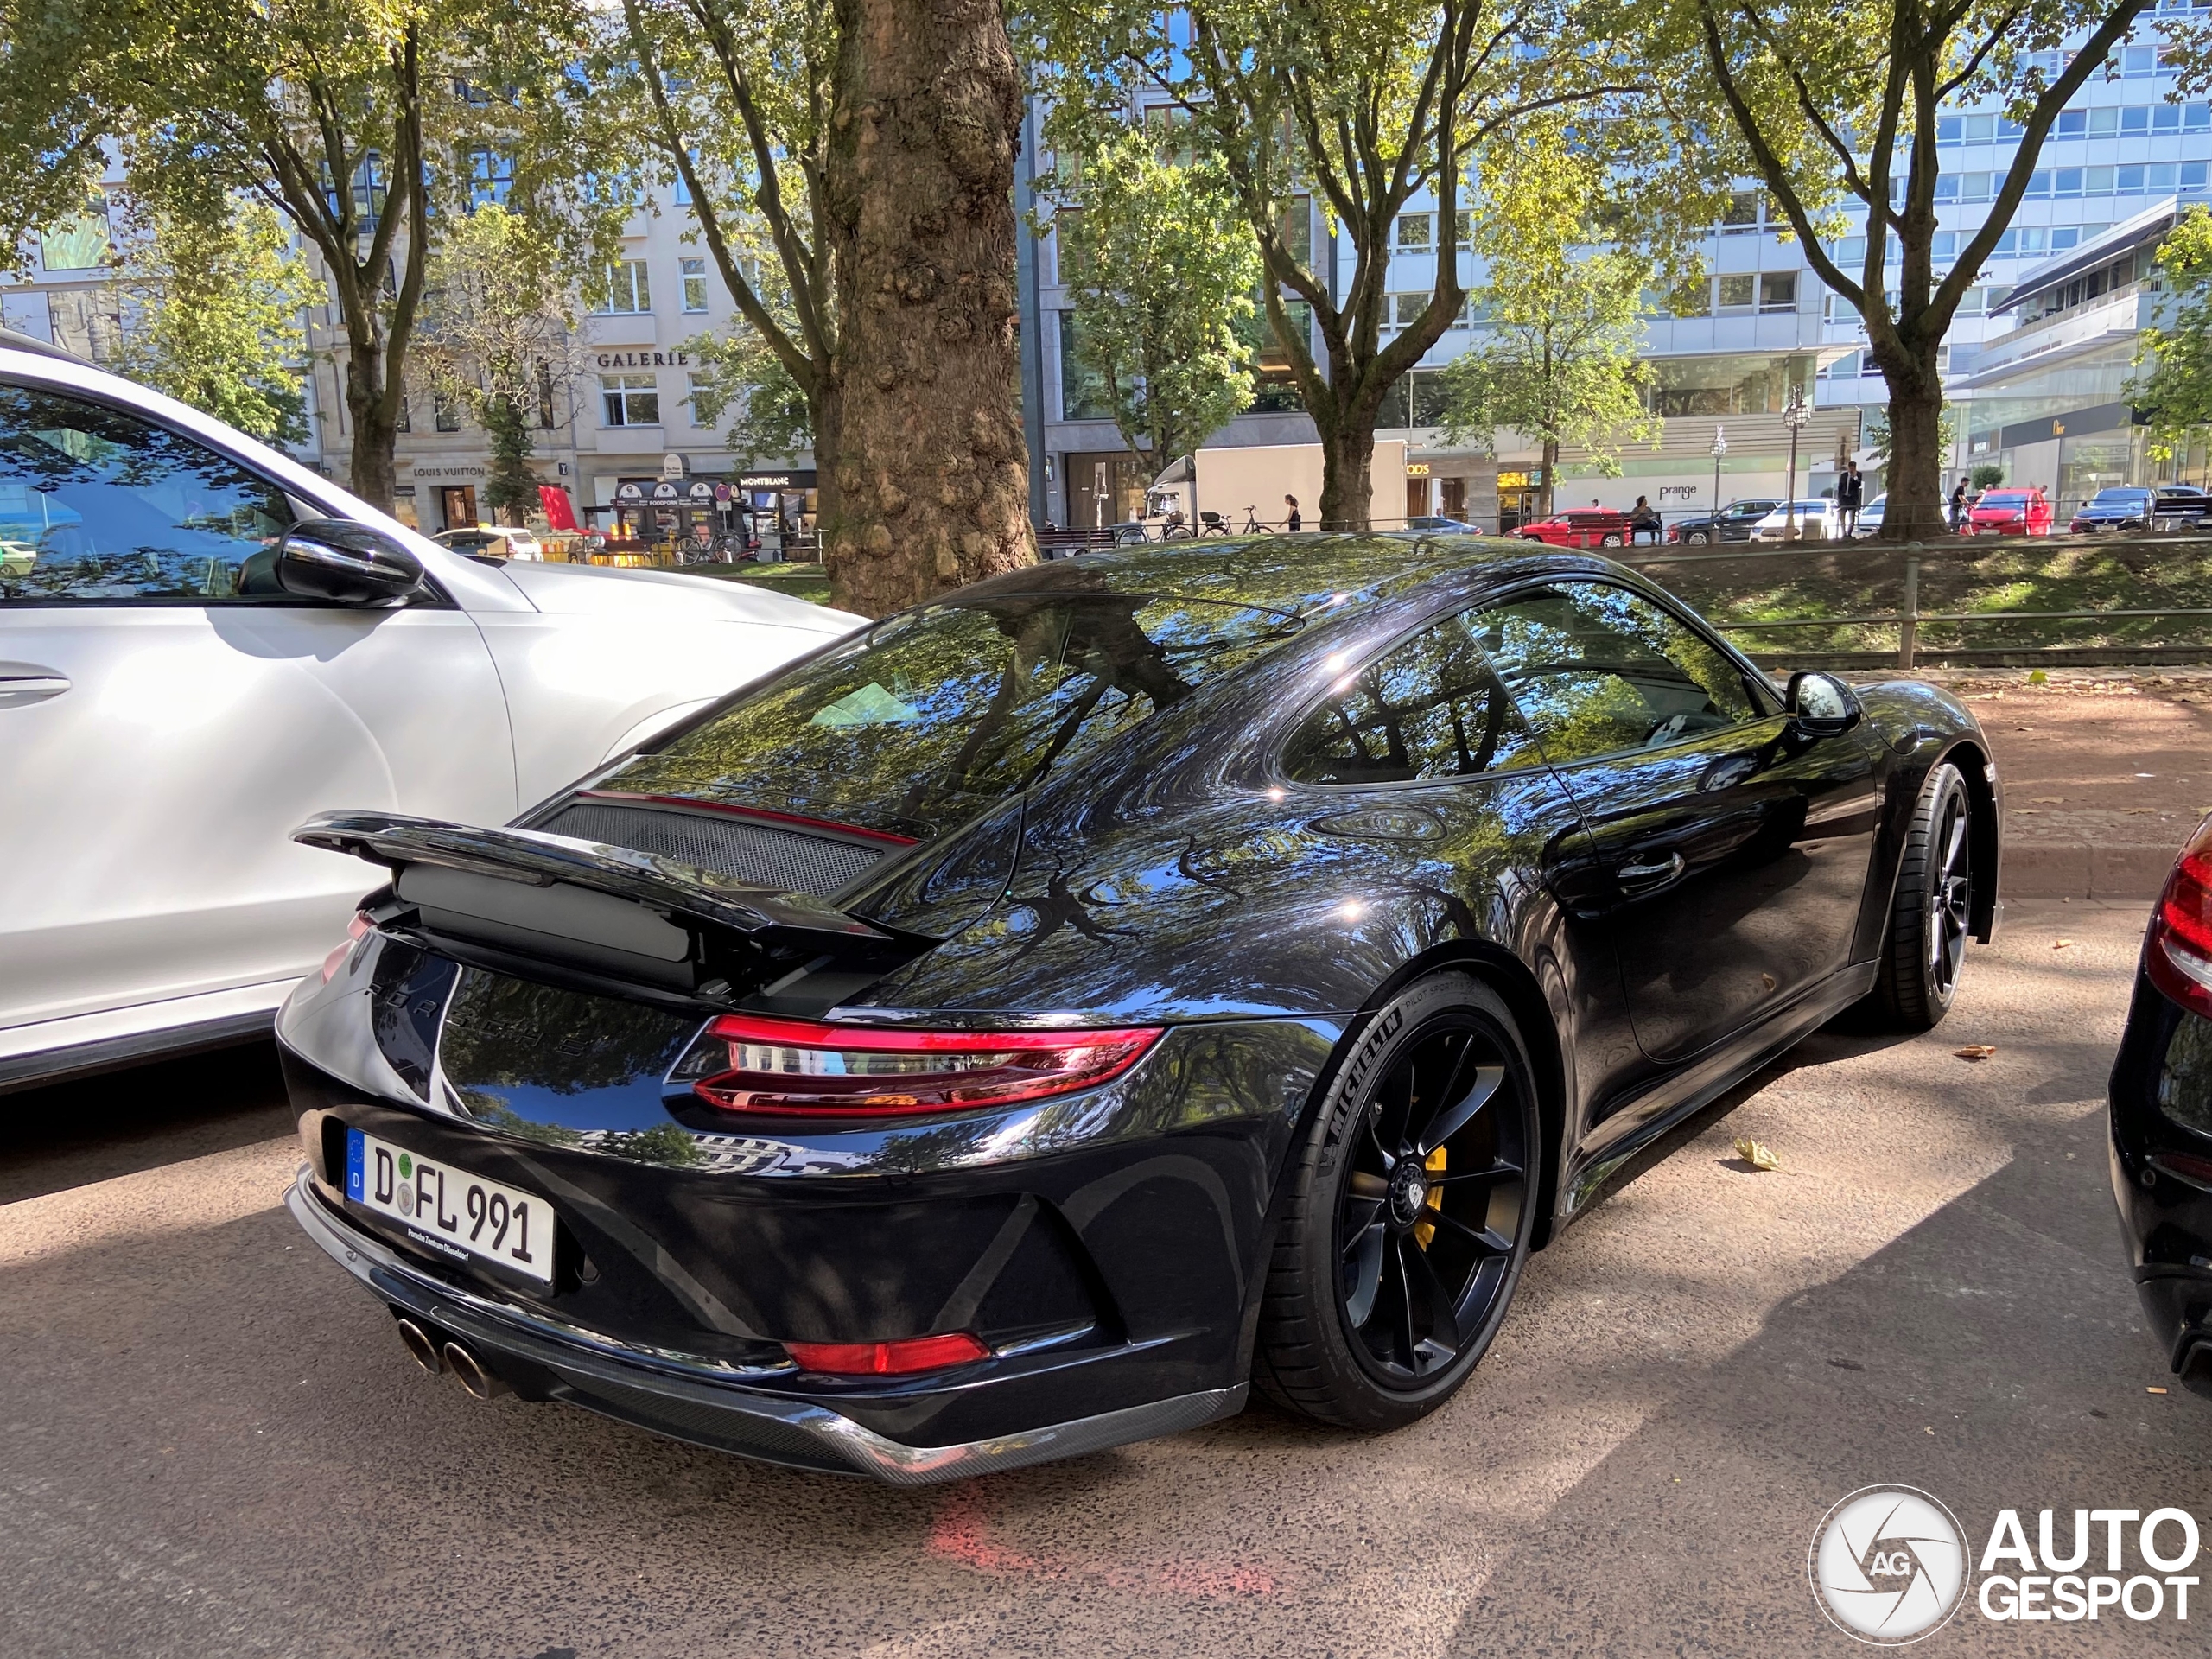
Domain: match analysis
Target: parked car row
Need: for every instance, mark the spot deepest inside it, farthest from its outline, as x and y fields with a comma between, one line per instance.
x=844, y=1045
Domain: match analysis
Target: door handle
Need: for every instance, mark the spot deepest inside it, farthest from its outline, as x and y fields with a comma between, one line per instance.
x=20, y=691
x=1650, y=875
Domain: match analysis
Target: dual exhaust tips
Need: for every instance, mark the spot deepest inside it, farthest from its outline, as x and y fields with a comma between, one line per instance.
x=437, y=1353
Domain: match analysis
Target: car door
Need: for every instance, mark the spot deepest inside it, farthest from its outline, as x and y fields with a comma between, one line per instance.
x=168, y=714
x=1422, y=772
x=1729, y=852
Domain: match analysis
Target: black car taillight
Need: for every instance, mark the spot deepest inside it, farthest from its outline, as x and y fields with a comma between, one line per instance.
x=2178, y=954
x=758, y=1064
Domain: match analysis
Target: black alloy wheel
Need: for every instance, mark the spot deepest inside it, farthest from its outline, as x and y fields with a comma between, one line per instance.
x=1410, y=1220
x=1697, y=537
x=1932, y=909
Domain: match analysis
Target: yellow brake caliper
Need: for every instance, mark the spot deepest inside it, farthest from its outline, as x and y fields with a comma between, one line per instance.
x=1426, y=1230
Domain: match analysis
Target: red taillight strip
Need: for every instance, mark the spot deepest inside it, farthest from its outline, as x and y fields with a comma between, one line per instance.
x=763, y=813
x=901, y=1359
x=896, y=1040
x=1012, y=1068
x=2179, y=956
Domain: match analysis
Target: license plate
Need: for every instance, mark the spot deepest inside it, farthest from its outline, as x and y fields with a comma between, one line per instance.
x=453, y=1212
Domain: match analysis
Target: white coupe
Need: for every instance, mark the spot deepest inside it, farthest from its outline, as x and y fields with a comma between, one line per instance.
x=203, y=643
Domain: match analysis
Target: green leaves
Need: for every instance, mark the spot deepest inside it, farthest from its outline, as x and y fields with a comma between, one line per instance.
x=2176, y=393
x=1161, y=269
x=210, y=313
x=1556, y=360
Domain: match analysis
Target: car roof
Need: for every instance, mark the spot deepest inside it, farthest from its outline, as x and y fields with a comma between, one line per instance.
x=1299, y=577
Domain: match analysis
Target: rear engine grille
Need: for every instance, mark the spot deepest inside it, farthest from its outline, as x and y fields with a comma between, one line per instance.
x=767, y=856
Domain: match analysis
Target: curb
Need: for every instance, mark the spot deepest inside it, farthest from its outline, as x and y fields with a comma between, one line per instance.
x=2077, y=870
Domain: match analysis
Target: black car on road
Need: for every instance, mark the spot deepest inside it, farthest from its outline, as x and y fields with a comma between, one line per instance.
x=1028, y=1025
x=2161, y=1100
x=2169, y=506
x=1731, y=523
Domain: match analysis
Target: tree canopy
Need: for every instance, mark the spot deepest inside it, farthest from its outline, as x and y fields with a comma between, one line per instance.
x=2175, y=396
x=1559, y=314
x=1827, y=106
x=1156, y=259
x=1365, y=108
x=209, y=313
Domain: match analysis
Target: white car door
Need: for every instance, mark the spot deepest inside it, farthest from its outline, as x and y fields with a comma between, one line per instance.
x=168, y=716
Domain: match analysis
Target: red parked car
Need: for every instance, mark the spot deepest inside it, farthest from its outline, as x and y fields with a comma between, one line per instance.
x=1579, y=527
x=2010, y=513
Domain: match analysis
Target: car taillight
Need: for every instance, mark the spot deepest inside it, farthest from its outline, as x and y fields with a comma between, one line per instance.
x=2178, y=954
x=887, y=1358
x=756, y=1063
x=336, y=959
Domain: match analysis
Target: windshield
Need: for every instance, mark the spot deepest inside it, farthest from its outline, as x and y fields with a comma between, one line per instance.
x=2121, y=498
x=926, y=720
x=2005, y=499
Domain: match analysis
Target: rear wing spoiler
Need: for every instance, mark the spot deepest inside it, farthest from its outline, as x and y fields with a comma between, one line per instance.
x=609, y=919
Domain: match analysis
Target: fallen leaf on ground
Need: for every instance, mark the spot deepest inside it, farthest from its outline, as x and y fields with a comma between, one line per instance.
x=2060, y=945
x=2154, y=1390
x=1975, y=1051
x=2048, y=800
x=1757, y=1156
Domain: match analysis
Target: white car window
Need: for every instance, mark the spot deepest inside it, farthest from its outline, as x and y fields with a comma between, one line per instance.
x=101, y=506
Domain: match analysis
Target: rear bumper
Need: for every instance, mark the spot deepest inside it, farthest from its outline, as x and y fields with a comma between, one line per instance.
x=702, y=1400
x=2161, y=1126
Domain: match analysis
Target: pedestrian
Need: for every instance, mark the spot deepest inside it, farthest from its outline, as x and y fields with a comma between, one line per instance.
x=1296, y=522
x=1643, y=521
x=1959, y=506
x=1850, y=495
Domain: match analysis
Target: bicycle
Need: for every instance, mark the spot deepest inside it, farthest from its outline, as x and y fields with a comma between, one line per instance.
x=1252, y=524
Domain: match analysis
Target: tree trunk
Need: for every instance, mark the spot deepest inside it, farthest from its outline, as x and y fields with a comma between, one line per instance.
x=933, y=472
x=1348, y=477
x=825, y=413
x=373, y=472
x=1550, y=464
x=1914, y=477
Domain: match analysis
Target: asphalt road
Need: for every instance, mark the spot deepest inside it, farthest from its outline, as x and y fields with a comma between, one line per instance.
x=211, y=1442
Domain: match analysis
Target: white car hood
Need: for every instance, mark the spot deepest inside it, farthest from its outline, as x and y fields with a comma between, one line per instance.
x=597, y=590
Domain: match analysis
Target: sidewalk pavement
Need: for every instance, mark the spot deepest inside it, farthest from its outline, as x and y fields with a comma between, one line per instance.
x=2106, y=772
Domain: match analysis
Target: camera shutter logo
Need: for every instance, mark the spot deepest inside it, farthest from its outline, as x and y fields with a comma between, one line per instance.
x=1888, y=1565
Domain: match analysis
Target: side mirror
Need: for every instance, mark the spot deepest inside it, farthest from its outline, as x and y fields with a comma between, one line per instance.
x=355, y=564
x=1822, y=705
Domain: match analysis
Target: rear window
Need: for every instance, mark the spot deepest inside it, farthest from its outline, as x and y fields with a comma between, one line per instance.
x=927, y=719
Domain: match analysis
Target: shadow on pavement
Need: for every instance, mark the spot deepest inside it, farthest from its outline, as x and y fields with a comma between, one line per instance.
x=1992, y=1355
x=119, y=1123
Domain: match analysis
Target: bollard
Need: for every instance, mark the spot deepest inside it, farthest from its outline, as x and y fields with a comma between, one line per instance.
x=1909, y=614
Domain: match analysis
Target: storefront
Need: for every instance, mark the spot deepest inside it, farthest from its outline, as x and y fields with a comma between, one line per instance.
x=1105, y=489
x=781, y=505
x=445, y=495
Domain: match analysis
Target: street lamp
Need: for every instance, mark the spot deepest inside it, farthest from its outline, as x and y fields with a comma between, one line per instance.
x=1719, y=448
x=1794, y=417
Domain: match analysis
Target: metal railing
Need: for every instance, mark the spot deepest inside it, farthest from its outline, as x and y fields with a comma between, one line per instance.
x=1909, y=616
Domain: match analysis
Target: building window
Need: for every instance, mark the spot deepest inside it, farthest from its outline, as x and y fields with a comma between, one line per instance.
x=446, y=413
x=1417, y=233
x=697, y=384
x=80, y=244
x=1741, y=215
x=695, y=285
x=491, y=177
x=1736, y=291
x=1779, y=291
x=623, y=189
x=626, y=292
x=629, y=400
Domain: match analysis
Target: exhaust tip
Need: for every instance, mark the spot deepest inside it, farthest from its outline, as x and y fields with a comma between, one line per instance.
x=470, y=1370
x=421, y=1344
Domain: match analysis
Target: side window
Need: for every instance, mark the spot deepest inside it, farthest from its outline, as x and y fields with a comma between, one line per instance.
x=1597, y=670
x=1430, y=709
x=101, y=506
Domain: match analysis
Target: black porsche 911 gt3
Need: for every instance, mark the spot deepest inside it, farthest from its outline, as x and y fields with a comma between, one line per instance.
x=1030, y=1022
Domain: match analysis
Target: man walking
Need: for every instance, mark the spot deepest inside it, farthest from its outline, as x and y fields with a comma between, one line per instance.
x=1850, y=494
